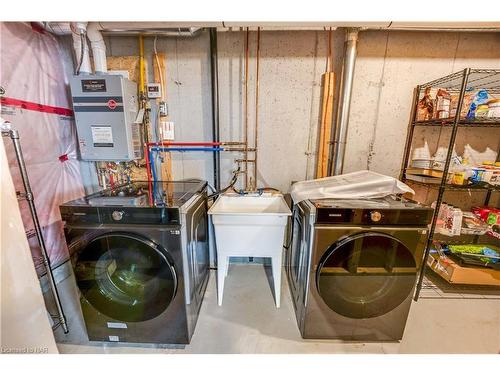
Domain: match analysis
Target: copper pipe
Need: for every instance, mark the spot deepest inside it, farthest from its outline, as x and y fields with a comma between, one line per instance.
x=256, y=109
x=245, y=160
x=240, y=149
x=233, y=143
x=247, y=57
x=171, y=143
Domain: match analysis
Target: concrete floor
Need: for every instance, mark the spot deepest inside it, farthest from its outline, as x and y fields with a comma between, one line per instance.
x=248, y=322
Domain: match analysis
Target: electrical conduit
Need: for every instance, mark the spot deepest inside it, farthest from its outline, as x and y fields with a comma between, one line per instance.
x=79, y=31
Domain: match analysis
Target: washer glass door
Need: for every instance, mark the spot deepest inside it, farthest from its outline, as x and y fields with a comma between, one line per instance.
x=296, y=248
x=126, y=277
x=366, y=275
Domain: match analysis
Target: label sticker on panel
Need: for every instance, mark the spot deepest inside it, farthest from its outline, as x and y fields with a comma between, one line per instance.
x=117, y=325
x=93, y=85
x=114, y=338
x=102, y=136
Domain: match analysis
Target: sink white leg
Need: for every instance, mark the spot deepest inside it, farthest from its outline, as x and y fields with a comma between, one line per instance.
x=227, y=266
x=276, y=265
x=221, y=274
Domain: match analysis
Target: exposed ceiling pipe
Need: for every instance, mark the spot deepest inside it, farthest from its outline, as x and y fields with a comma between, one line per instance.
x=127, y=28
x=344, y=102
x=98, y=47
x=191, y=29
x=79, y=31
x=179, y=33
x=377, y=25
x=148, y=29
x=437, y=29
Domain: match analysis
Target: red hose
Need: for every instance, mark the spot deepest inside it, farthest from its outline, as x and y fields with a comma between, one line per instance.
x=148, y=170
x=184, y=143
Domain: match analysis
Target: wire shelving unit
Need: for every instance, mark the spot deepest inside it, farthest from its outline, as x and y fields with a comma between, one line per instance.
x=457, y=83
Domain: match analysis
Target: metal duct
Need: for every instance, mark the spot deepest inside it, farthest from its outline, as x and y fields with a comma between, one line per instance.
x=342, y=123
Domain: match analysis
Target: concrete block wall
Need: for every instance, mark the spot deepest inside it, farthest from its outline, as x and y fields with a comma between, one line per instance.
x=291, y=65
x=388, y=67
x=187, y=74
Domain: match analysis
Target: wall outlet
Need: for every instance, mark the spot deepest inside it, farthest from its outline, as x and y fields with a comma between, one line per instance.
x=167, y=130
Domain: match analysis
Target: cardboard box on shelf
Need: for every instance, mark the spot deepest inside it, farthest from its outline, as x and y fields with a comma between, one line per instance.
x=455, y=274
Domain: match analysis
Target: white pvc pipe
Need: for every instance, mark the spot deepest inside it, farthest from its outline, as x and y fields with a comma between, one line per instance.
x=77, y=29
x=98, y=47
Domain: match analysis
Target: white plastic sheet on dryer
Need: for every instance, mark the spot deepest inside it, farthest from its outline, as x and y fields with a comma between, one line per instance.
x=355, y=185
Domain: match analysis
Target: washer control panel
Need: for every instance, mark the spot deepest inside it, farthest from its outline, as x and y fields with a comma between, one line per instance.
x=117, y=215
x=375, y=216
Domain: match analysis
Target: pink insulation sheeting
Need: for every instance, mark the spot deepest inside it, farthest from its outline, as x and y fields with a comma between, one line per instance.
x=31, y=69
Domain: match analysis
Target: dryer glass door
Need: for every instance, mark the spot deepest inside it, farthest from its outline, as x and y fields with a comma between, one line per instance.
x=126, y=277
x=199, y=249
x=366, y=275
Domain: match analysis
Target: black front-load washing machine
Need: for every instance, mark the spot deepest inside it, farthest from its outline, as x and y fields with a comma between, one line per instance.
x=353, y=264
x=140, y=258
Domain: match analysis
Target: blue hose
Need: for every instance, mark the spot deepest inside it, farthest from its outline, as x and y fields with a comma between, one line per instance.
x=184, y=149
x=169, y=149
x=153, y=172
x=153, y=169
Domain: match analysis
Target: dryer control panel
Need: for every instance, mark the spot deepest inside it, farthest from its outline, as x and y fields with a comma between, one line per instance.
x=372, y=212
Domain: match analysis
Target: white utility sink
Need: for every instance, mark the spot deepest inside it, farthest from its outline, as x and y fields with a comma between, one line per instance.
x=249, y=226
x=265, y=204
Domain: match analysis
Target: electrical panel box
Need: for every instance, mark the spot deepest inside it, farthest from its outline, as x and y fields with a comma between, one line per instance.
x=105, y=108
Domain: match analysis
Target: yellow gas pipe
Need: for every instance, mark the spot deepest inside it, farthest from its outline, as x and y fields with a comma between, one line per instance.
x=141, y=67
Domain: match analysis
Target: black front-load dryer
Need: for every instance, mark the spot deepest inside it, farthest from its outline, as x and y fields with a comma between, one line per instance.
x=140, y=263
x=352, y=266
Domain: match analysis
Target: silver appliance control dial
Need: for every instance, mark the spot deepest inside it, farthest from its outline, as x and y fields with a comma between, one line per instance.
x=375, y=216
x=117, y=215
